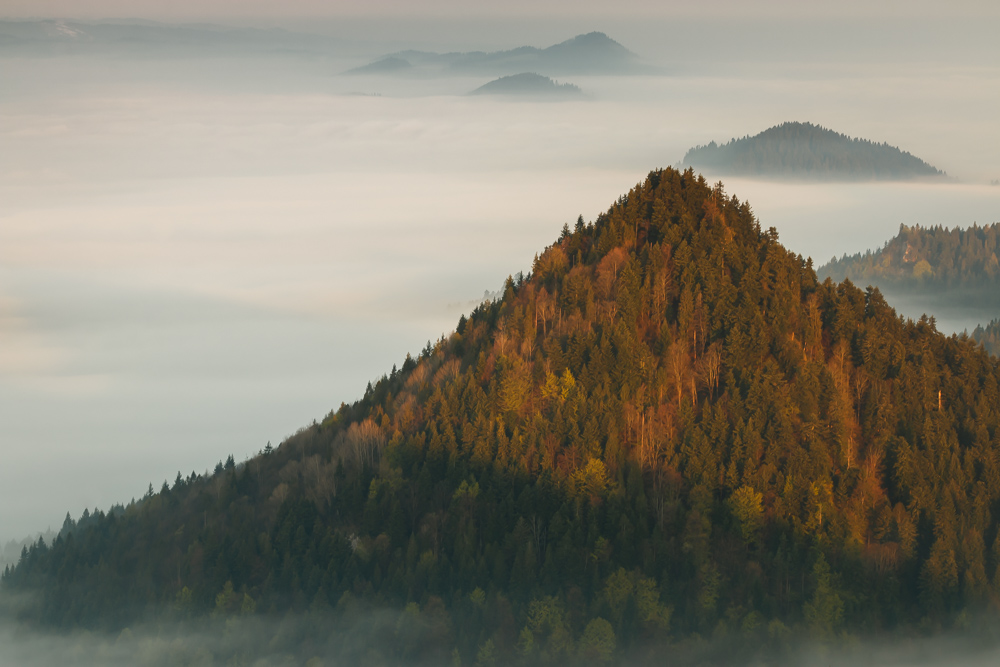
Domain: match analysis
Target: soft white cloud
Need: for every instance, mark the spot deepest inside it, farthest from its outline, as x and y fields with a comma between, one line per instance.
x=23, y=352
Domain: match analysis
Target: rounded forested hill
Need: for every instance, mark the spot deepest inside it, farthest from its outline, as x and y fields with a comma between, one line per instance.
x=669, y=431
x=807, y=151
x=527, y=84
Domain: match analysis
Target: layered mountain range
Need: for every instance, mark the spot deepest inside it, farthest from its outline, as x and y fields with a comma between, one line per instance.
x=591, y=53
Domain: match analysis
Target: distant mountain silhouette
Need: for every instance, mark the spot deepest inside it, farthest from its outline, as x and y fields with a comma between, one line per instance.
x=527, y=84
x=388, y=65
x=592, y=53
x=804, y=150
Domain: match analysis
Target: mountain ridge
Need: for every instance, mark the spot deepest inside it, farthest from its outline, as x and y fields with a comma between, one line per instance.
x=590, y=53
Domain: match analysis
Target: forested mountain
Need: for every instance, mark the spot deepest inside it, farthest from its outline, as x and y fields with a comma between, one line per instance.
x=927, y=258
x=669, y=431
x=804, y=150
x=527, y=84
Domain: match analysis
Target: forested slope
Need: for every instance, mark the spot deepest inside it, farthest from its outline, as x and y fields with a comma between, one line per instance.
x=927, y=258
x=988, y=337
x=668, y=430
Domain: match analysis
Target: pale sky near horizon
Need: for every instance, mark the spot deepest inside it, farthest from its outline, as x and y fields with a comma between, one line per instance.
x=201, y=255
x=234, y=10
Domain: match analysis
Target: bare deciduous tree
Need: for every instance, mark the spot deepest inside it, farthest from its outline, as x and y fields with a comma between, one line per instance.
x=366, y=441
x=678, y=367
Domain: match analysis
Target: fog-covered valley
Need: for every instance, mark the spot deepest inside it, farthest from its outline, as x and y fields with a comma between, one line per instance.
x=352, y=636
x=202, y=252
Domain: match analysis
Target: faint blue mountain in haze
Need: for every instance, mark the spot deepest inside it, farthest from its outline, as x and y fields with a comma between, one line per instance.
x=387, y=65
x=528, y=84
x=592, y=53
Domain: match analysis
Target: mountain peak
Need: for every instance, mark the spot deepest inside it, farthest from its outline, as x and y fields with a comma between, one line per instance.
x=593, y=41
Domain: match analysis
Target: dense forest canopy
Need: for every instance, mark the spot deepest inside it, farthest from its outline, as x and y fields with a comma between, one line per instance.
x=927, y=258
x=804, y=150
x=668, y=431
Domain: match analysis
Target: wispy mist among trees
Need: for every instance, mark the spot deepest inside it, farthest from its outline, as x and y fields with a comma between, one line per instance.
x=988, y=337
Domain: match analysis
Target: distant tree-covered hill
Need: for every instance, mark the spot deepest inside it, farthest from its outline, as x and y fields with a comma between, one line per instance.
x=807, y=151
x=528, y=84
x=927, y=258
x=669, y=435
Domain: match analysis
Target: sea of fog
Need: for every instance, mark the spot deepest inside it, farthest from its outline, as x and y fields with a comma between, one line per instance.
x=318, y=640
x=199, y=256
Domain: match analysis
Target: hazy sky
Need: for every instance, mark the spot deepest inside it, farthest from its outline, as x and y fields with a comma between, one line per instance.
x=199, y=255
x=234, y=10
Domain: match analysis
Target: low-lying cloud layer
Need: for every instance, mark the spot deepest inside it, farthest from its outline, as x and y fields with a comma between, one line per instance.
x=405, y=637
